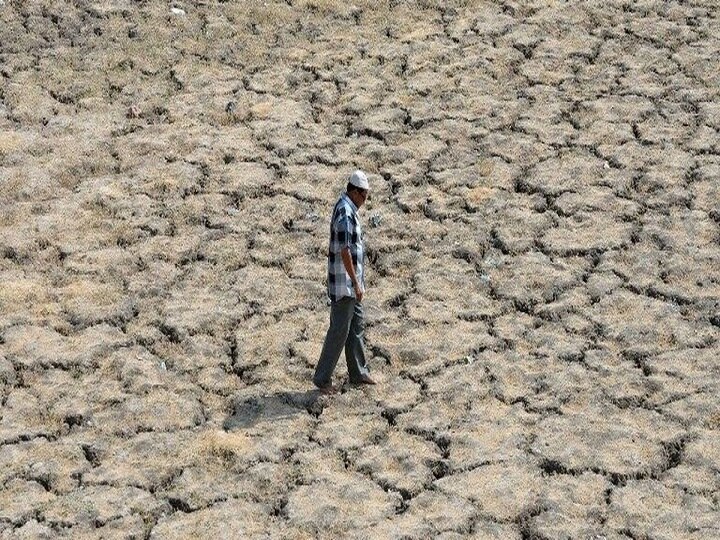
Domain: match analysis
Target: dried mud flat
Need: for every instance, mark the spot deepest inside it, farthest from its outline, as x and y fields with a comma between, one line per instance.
x=544, y=280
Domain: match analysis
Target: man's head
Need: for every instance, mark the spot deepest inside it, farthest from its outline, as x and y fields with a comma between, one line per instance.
x=358, y=188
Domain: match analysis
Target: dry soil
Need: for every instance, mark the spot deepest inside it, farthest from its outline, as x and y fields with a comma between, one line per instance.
x=543, y=285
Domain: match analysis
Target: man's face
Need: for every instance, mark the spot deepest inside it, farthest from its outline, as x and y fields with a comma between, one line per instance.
x=359, y=196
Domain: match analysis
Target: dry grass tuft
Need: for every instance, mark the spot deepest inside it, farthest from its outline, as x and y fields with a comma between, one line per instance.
x=487, y=166
x=87, y=292
x=262, y=110
x=9, y=143
x=480, y=194
x=222, y=447
x=713, y=422
x=19, y=295
x=10, y=190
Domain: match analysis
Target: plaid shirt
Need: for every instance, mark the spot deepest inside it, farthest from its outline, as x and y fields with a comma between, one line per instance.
x=345, y=232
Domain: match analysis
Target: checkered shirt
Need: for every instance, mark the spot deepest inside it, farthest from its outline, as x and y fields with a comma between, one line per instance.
x=345, y=231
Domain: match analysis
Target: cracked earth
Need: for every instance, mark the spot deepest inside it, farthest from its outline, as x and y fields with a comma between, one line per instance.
x=543, y=302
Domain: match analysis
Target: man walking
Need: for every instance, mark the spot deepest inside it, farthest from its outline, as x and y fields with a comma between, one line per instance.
x=346, y=287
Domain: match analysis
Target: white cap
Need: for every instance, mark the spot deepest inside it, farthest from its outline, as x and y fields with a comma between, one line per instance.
x=359, y=179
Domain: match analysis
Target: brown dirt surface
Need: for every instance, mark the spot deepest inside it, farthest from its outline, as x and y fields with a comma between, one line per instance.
x=543, y=301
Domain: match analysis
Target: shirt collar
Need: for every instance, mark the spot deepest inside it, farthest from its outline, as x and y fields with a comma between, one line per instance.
x=349, y=201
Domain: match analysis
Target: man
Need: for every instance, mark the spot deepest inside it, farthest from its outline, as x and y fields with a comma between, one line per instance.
x=346, y=287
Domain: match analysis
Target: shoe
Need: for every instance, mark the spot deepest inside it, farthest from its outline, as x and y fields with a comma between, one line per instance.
x=365, y=379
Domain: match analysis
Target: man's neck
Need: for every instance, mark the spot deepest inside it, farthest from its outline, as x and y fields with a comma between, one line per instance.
x=353, y=203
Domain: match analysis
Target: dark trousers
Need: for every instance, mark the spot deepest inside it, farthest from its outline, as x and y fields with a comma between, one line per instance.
x=347, y=329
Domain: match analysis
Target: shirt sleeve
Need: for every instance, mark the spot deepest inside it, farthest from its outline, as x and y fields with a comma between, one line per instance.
x=343, y=230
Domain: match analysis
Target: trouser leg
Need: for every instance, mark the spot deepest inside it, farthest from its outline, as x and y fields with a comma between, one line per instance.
x=355, y=345
x=341, y=315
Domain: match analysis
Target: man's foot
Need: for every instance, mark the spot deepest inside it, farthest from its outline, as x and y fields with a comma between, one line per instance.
x=364, y=379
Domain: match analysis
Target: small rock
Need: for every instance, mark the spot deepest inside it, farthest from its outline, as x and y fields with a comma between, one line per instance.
x=133, y=112
x=606, y=165
x=375, y=220
x=163, y=366
x=230, y=107
x=177, y=11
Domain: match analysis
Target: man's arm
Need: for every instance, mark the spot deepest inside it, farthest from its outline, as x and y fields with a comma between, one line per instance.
x=350, y=269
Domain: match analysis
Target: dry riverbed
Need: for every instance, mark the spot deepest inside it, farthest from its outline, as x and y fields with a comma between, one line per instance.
x=544, y=269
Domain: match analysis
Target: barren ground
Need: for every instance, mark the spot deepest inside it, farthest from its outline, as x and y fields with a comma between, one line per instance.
x=544, y=275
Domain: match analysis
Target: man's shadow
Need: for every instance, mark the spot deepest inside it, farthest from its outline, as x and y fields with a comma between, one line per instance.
x=248, y=412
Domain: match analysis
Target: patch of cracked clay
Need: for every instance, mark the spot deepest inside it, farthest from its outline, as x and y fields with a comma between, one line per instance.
x=542, y=274
x=622, y=443
x=503, y=491
x=332, y=506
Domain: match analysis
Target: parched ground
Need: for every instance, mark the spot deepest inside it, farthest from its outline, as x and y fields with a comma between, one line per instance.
x=544, y=269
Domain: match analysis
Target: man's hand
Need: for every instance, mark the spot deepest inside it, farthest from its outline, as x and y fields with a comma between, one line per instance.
x=350, y=269
x=358, y=292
